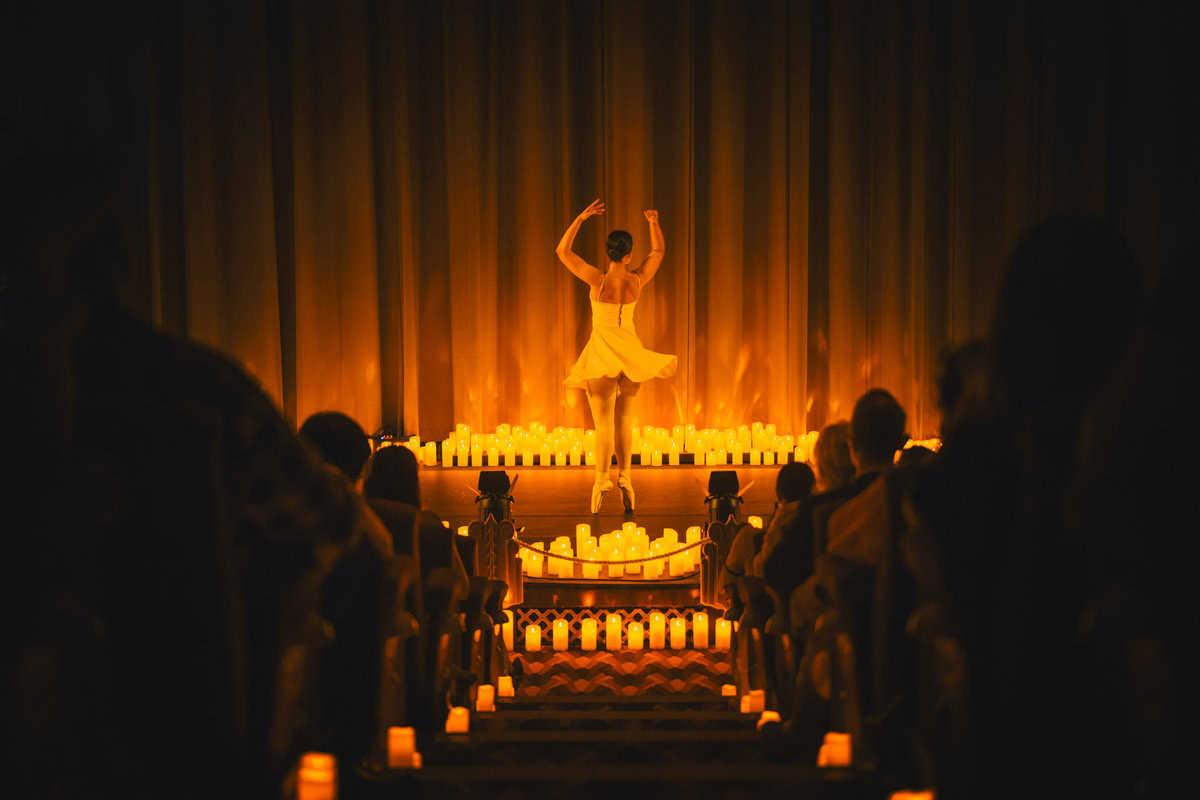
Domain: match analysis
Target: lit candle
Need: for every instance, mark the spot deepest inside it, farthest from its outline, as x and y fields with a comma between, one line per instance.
x=504, y=686
x=755, y=457
x=633, y=551
x=507, y=630
x=636, y=636
x=402, y=744
x=758, y=701
x=510, y=455
x=722, y=457
x=316, y=779
x=836, y=750
x=673, y=453
x=544, y=456
x=588, y=634
x=768, y=458
x=700, y=629
x=591, y=571
x=559, y=634
x=533, y=637
x=431, y=454
x=694, y=534
x=737, y=453
x=723, y=632
x=576, y=455
x=612, y=632
x=728, y=690
x=458, y=720
x=591, y=458
x=485, y=697
x=678, y=633
x=656, y=458
x=476, y=456
x=583, y=532
x=676, y=564
x=464, y=530
x=755, y=522
x=628, y=528
x=526, y=458
x=658, y=631
x=616, y=570
x=535, y=565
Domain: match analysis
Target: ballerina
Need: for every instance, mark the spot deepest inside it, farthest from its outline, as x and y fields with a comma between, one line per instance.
x=613, y=363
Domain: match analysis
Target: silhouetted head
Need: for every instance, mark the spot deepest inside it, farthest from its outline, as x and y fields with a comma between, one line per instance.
x=964, y=385
x=1070, y=298
x=835, y=469
x=619, y=246
x=794, y=482
x=876, y=430
x=392, y=475
x=915, y=456
x=339, y=441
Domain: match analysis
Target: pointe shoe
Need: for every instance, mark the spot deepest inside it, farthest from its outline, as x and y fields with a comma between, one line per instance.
x=599, y=488
x=626, y=492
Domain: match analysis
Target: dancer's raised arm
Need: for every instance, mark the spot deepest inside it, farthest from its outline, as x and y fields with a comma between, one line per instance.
x=658, y=248
x=582, y=269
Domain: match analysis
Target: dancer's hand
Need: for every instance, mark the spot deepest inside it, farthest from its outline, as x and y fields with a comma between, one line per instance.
x=651, y=216
x=595, y=209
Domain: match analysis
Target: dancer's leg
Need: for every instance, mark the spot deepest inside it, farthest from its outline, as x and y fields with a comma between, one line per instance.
x=623, y=420
x=601, y=397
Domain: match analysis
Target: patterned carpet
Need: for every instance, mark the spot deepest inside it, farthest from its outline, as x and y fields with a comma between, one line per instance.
x=624, y=673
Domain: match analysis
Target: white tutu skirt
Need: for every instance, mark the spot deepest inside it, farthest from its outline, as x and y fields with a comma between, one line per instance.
x=613, y=349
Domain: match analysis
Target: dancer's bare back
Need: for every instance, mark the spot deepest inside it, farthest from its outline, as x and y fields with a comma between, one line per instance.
x=620, y=284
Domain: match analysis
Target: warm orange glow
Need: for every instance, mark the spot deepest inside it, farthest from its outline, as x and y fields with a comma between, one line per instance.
x=636, y=636
x=723, y=633
x=728, y=690
x=317, y=777
x=533, y=637
x=587, y=634
x=458, y=720
x=612, y=632
x=835, y=752
x=658, y=625
x=402, y=746
x=504, y=686
x=485, y=697
x=700, y=630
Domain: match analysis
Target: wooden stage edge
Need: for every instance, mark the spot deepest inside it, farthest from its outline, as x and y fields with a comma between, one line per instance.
x=550, y=501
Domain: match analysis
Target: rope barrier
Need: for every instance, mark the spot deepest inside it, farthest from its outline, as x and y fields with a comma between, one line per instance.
x=599, y=562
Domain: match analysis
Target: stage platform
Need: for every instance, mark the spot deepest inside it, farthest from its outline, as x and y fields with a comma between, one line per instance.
x=550, y=501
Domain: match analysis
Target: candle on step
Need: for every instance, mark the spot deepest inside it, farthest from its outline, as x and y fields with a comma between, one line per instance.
x=767, y=716
x=723, y=632
x=533, y=637
x=678, y=633
x=658, y=628
x=576, y=454
x=588, y=634
x=430, y=454
x=728, y=690
x=402, y=744
x=485, y=697
x=636, y=636
x=700, y=629
x=317, y=778
x=632, y=552
x=458, y=720
x=835, y=752
x=612, y=632
x=694, y=534
x=758, y=701
x=504, y=686
x=559, y=634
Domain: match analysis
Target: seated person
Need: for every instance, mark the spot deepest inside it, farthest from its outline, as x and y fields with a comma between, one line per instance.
x=392, y=490
x=834, y=476
x=793, y=485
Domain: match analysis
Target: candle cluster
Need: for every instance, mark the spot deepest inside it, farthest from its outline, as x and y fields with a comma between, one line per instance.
x=605, y=556
x=658, y=633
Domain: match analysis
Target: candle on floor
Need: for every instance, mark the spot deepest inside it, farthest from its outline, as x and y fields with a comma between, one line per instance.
x=678, y=633
x=835, y=752
x=612, y=632
x=402, y=743
x=430, y=454
x=526, y=458
x=510, y=454
x=458, y=720
x=767, y=716
x=658, y=628
x=700, y=629
x=544, y=456
x=587, y=634
x=317, y=779
x=636, y=636
x=576, y=455
x=504, y=686
x=485, y=697
x=728, y=690
x=533, y=637
x=673, y=453
x=493, y=455
x=755, y=457
x=560, y=459
x=768, y=458
x=559, y=634
x=590, y=458
x=736, y=451
x=723, y=632
x=507, y=630
x=758, y=701
x=476, y=456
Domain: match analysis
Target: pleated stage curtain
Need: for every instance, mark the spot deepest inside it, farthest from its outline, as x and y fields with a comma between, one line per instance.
x=360, y=200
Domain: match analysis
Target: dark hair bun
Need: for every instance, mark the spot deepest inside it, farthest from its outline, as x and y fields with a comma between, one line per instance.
x=619, y=245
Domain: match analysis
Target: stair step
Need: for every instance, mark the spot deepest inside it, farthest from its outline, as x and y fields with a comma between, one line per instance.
x=617, y=702
x=559, y=719
x=620, y=737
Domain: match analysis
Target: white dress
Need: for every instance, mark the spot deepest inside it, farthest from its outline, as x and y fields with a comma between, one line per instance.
x=614, y=347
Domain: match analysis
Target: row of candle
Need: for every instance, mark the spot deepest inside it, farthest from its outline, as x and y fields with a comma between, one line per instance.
x=656, y=634
x=604, y=554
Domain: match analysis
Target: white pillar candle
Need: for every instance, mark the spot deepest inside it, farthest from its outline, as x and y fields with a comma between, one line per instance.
x=656, y=458
x=673, y=453
x=317, y=778
x=507, y=630
x=534, y=563
x=559, y=634
x=633, y=552
x=544, y=456
x=590, y=458
x=458, y=720
x=652, y=569
x=612, y=632
x=583, y=532
x=737, y=453
x=526, y=458
x=591, y=571
x=700, y=629
x=728, y=690
x=560, y=459
x=758, y=701
x=755, y=457
x=533, y=637
x=671, y=538
x=447, y=453
x=722, y=457
x=658, y=631
x=510, y=455
x=485, y=697
x=493, y=455
x=402, y=744
x=636, y=636
x=675, y=565
x=504, y=686
x=476, y=456
x=430, y=459
x=588, y=634
x=678, y=633
x=723, y=632
x=460, y=453
x=768, y=458
x=464, y=530
x=615, y=570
